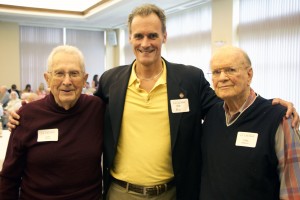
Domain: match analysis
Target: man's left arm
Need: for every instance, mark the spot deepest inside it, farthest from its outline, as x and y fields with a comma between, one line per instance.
x=291, y=110
x=287, y=147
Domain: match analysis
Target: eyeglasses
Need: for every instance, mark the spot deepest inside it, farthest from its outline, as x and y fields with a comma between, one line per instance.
x=229, y=71
x=62, y=74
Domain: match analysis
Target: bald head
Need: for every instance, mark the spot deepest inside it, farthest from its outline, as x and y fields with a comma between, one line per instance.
x=3, y=89
x=231, y=55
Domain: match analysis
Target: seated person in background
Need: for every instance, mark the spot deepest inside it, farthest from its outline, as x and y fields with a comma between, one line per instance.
x=1, y=116
x=13, y=105
x=27, y=88
x=56, y=151
x=95, y=81
x=14, y=88
x=4, y=98
x=249, y=148
x=41, y=92
x=88, y=89
x=4, y=95
x=1, y=112
x=26, y=91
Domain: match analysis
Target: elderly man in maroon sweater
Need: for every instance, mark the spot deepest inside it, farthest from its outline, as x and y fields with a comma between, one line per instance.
x=55, y=152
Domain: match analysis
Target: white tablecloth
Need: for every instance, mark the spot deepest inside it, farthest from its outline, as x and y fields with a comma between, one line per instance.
x=3, y=146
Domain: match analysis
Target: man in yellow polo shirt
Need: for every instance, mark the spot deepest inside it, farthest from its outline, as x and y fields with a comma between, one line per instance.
x=153, y=118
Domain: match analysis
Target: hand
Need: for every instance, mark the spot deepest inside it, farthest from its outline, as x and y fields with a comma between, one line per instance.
x=13, y=121
x=290, y=111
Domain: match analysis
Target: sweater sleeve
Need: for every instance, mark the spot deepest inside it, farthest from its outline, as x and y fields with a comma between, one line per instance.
x=11, y=174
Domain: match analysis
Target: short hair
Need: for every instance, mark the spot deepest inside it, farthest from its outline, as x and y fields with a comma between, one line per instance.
x=66, y=49
x=145, y=10
x=95, y=77
x=27, y=86
x=13, y=86
x=246, y=57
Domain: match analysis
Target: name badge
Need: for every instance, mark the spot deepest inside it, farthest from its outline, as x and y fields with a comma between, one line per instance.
x=246, y=139
x=180, y=105
x=47, y=135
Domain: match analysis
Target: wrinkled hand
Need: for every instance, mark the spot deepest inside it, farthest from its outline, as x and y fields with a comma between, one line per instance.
x=291, y=111
x=13, y=121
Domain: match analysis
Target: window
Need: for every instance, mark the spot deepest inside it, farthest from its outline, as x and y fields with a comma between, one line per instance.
x=269, y=31
x=36, y=43
x=189, y=36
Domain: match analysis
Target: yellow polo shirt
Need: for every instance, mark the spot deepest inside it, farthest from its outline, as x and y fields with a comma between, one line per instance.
x=144, y=149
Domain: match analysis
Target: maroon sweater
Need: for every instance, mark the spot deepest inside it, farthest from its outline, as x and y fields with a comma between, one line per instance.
x=69, y=168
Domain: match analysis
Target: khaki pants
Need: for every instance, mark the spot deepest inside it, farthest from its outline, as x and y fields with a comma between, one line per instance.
x=117, y=192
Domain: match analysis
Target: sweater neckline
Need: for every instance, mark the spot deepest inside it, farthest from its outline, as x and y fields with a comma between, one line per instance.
x=51, y=101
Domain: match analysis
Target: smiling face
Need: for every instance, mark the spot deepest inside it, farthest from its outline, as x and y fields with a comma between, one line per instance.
x=232, y=74
x=66, y=78
x=146, y=38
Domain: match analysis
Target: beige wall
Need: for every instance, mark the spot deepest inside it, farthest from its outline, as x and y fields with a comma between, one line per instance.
x=112, y=56
x=224, y=23
x=9, y=54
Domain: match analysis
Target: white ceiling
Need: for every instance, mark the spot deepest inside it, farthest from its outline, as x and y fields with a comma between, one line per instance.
x=82, y=14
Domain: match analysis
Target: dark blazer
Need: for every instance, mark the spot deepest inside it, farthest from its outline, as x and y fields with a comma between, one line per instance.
x=185, y=127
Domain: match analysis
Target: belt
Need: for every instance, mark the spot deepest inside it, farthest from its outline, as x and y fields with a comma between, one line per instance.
x=145, y=190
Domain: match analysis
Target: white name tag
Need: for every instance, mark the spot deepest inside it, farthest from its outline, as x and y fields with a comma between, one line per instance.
x=246, y=139
x=47, y=135
x=180, y=105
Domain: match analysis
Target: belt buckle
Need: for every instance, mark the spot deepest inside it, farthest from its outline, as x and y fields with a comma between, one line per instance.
x=161, y=189
x=145, y=190
x=127, y=186
x=158, y=188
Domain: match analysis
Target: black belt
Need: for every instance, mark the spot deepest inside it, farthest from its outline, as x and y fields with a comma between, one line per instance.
x=145, y=190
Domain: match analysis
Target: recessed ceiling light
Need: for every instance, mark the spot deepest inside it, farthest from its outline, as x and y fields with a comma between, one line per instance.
x=70, y=5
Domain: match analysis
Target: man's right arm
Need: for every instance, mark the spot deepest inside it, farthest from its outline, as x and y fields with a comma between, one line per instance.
x=287, y=147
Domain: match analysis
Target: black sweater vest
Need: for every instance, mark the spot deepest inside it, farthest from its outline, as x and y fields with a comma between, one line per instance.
x=236, y=172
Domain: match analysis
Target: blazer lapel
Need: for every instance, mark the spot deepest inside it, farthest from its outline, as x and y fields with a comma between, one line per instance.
x=175, y=91
x=117, y=94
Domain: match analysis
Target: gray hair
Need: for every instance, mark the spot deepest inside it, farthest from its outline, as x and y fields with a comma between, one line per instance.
x=145, y=10
x=66, y=49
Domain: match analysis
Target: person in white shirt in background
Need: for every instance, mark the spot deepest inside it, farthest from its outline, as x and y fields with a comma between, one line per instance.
x=88, y=89
x=14, y=103
x=1, y=111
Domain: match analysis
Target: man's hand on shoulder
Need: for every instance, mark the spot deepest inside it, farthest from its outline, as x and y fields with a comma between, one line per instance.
x=13, y=121
x=291, y=111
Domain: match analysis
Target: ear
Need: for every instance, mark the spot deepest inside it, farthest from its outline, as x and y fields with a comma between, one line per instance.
x=129, y=38
x=165, y=37
x=85, y=77
x=250, y=75
x=47, y=78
